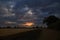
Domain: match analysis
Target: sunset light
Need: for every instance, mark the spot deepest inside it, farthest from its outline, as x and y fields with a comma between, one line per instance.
x=29, y=24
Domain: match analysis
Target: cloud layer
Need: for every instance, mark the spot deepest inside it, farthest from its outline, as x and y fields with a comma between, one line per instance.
x=21, y=11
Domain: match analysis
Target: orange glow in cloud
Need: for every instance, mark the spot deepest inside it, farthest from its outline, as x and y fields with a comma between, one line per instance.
x=29, y=24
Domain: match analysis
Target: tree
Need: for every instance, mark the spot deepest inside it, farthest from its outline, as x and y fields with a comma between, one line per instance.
x=52, y=22
x=8, y=27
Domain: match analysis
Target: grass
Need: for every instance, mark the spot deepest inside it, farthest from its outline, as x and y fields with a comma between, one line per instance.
x=6, y=32
x=28, y=35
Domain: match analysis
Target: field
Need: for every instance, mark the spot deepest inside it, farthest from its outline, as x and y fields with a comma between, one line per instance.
x=6, y=32
x=29, y=34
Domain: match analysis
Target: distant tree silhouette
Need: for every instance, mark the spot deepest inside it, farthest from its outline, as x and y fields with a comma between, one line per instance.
x=0, y=27
x=52, y=22
x=51, y=19
x=36, y=26
x=15, y=27
x=8, y=27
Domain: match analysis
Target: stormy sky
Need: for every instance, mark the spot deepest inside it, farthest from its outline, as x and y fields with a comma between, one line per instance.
x=20, y=11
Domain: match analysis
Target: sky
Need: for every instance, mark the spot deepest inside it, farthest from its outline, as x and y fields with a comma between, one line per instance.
x=17, y=12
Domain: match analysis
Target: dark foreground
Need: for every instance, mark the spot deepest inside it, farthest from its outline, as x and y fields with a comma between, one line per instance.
x=30, y=35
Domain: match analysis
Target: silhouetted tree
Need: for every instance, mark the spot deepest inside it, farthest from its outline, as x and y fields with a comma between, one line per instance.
x=8, y=27
x=52, y=22
x=15, y=27
x=0, y=27
x=36, y=26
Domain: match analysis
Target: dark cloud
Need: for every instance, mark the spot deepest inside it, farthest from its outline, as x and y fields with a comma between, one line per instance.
x=41, y=8
x=19, y=8
x=44, y=5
